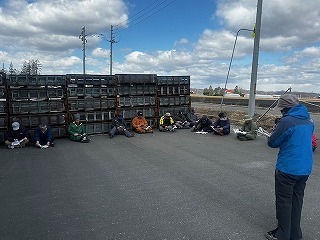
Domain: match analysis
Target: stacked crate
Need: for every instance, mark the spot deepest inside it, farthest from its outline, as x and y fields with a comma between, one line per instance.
x=137, y=92
x=54, y=99
x=36, y=99
x=173, y=94
x=3, y=107
x=93, y=98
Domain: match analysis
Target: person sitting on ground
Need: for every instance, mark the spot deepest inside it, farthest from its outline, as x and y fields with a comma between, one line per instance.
x=204, y=125
x=192, y=118
x=77, y=130
x=43, y=136
x=119, y=127
x=248, y=129
x=16, y=136
x=180, y=120
x=222, y=125
x=166, y=123
x=140, y=124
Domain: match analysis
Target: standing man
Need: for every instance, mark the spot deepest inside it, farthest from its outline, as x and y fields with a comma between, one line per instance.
x=292, y=135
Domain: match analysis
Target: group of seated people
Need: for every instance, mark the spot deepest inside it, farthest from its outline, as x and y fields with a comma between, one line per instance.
x=18, y=136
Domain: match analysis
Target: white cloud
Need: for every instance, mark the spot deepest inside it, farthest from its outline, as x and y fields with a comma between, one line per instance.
x=289, y=47
x=101, y=53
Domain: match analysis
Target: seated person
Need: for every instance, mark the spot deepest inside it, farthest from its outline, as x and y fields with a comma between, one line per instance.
x=16, y=136
x=77, y=131
x=222, y=125
x=180, y=120
x=140, y=124
x=248, y=130
x=166, y=123
x=192, y=118
x=43, y=136
x=119, y=127
x=204, y=124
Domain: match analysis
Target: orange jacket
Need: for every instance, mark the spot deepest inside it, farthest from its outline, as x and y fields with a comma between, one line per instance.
x=136, y=122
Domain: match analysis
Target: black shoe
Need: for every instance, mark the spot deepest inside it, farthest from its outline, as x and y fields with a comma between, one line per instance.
x=52, y=144
x=110, y=135
x=271, y=235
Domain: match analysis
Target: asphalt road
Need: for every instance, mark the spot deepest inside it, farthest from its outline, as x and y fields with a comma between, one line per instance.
x=180, y=185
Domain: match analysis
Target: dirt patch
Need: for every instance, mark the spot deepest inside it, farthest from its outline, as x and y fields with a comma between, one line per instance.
x=236, y=117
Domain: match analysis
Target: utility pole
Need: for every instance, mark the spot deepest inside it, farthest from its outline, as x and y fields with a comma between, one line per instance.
x=84, y=41
x=253, y=84
x=112, y=41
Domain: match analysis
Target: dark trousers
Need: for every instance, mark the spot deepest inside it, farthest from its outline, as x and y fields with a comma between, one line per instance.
x=289, y=190
x=114, y=131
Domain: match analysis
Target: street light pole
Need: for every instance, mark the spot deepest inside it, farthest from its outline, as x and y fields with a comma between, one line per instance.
x=253, y=84
x=234, y=46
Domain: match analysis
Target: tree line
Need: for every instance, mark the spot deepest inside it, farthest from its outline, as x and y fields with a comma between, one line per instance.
x=218, y=91
x=31, y=67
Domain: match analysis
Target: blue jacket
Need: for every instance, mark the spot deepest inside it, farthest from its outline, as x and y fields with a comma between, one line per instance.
x=293, y=136
x=43, y=137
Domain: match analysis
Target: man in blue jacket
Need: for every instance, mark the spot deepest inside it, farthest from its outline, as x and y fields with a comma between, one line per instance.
x=43, y=136
x=294, y=164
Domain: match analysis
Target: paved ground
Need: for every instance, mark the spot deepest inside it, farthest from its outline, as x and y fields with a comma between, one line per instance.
x=179, y=185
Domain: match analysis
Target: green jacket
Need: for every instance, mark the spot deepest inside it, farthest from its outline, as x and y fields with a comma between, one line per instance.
x=250, y=127
x=74, y=128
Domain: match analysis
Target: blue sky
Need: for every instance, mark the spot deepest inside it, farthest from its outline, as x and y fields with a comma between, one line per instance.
x=168, y=37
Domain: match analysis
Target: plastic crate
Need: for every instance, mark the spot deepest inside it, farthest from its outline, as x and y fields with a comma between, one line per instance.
x=2, y=138
x=107, y=116
x=2, y=92
x=3, y=120
x=3, y=107
x=107, y=91
x=59, y=131
x=55, y=93
x=21, y=80
x=56, y=106
x=136, y=78
x=76, y=104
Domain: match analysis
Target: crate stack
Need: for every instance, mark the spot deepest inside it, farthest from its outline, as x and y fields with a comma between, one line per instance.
x=173, y=94
x=38, y=98
x=93, y=98
x=3, y=107
x=137, y=92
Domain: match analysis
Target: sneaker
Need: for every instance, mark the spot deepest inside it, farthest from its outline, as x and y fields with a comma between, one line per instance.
x=110, y=135
x=271, y=235
x=85, y=140
x=52, y=144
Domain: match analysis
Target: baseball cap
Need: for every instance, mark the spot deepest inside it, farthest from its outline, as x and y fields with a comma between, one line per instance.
x=15, y=126
x=286, y=101
x=76, y=116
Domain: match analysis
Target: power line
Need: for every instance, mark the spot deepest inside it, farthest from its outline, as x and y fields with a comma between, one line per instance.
x=150, y=11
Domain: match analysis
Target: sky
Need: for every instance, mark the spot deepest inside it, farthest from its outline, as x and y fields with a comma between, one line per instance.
x=168, y=37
